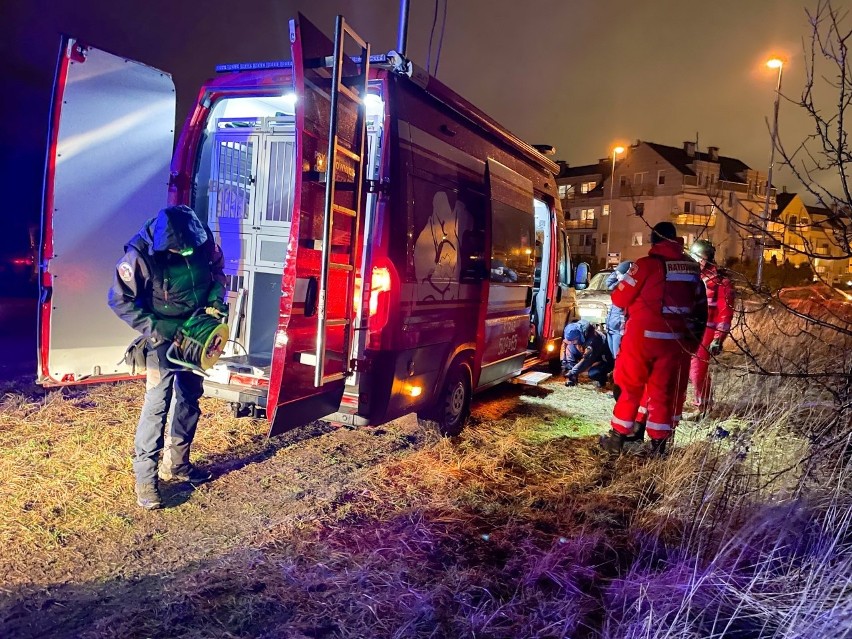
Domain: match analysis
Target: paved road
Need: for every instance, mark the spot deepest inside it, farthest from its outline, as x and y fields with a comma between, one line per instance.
x=17, y=338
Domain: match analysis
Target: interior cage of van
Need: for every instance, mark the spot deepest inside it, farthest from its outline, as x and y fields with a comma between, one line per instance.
x=244, y=183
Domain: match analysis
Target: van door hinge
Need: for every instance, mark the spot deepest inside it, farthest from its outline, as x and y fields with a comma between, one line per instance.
x=358, y=365
x=378, y=186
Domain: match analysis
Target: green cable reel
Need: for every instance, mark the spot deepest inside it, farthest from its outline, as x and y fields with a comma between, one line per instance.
x=199, y=342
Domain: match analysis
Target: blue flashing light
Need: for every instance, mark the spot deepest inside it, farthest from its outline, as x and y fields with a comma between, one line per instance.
x=254, y=66
x=380, y=58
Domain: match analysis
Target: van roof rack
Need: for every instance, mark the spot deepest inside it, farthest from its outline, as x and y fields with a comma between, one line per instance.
x=380, y=58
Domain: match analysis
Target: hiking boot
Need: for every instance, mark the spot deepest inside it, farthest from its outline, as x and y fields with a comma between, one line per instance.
x=193, y=474
x=638, y=435
x=148, y=496
x=658, y=447
x=612, y=442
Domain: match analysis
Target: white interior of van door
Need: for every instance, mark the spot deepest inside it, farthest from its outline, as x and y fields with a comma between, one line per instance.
x=110, y=171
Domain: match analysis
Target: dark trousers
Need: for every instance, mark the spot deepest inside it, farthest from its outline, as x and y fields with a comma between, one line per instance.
x=599, y=372
x=169, y=417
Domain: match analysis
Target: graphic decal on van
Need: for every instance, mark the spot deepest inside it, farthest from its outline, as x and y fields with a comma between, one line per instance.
x=437, y=265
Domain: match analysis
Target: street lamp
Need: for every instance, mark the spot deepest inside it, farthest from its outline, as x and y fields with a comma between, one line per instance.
x=616, y=151
x=773, y=63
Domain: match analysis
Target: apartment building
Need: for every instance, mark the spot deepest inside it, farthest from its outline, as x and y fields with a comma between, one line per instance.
x=610, y=209
x=811, y=234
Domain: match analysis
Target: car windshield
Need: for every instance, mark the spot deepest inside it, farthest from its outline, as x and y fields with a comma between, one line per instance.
x=598, y=282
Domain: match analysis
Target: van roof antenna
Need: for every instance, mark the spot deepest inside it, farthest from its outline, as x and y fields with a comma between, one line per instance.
x=402, y=35
x=401, y=64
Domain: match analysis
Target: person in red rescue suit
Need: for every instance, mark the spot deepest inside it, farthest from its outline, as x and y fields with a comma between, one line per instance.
x=666, y=306
x=720, y=313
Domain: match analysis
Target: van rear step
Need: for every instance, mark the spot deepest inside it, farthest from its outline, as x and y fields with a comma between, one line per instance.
x=350, y=419
x=533, y=378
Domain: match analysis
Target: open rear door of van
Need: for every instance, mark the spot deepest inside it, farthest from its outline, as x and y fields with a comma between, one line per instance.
x=315, y=326
x=107, y=170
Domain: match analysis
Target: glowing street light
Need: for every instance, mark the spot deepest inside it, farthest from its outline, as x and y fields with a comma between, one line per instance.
x=772, y=63
x=618, y=150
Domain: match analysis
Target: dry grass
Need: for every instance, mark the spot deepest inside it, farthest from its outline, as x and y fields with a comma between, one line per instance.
x=518, y=528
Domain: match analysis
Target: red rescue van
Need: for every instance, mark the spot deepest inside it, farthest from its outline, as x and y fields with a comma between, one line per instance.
x=389, y=247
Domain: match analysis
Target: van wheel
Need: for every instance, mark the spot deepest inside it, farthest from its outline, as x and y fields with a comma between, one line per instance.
x=453, y=406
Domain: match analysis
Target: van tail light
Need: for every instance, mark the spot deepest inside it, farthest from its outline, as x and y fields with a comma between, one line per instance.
x=381, y=289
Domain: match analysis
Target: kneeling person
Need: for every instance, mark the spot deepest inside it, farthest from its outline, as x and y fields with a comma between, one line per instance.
x=584, y=350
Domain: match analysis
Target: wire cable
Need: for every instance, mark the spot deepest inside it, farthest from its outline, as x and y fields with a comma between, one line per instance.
x=441, y=39
x=199, y=343
x=431, y=36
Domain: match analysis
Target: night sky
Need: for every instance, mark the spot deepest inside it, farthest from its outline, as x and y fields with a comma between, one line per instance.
x=578, y=74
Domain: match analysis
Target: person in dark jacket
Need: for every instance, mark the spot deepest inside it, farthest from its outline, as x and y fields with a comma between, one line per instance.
x=615, y=318
x=171, y=268
x=584, y=350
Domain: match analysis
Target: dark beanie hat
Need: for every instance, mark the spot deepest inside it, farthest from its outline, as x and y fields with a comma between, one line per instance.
x=663, y=231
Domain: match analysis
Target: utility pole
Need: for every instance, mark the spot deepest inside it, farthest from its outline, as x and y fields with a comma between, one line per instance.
x=774, y=63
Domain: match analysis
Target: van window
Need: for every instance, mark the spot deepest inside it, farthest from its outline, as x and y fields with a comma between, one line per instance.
x=512, y=244
x=563, y=270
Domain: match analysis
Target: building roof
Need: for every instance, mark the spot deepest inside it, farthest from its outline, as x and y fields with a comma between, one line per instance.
x=729, y=168
x=822, y=216
x=579, y=171
x=782, y=200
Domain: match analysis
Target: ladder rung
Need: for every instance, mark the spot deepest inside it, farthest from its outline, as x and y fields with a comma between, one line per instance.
x=347, y=152
x=333, y=378
x=349, y=93
x=337, y=208
x=337, y=322
x=339, y=267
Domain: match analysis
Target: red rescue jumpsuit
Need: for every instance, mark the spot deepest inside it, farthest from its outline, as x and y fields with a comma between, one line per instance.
x=720, y=312
x=666, y=305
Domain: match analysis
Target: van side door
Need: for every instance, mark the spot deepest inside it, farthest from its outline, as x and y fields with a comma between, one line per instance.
x=511, y=233
x=563, y=305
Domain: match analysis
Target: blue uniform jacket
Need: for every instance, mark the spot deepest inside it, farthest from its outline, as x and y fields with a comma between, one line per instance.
x=615, y=318
x=592, y=349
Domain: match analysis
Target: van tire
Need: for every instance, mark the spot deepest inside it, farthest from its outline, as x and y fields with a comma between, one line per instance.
x=452, y=409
